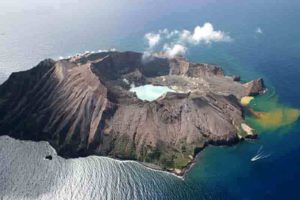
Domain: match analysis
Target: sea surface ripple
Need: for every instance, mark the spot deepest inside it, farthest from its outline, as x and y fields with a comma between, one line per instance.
x=25, y=173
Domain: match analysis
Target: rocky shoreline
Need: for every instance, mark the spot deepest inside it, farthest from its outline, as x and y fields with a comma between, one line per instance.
x=82, y=106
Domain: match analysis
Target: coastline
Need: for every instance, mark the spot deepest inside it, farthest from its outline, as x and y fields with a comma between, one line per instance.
x=168, y=114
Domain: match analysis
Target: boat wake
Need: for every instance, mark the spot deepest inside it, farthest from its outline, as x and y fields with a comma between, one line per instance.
x=260, y=155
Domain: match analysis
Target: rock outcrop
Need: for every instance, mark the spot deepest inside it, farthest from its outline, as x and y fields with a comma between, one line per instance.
x=255, y=87
x=82, y=106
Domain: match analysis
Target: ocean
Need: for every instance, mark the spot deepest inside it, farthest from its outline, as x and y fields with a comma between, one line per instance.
x=265, y=43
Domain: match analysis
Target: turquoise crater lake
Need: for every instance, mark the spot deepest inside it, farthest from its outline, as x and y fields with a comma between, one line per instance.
x=150, y=92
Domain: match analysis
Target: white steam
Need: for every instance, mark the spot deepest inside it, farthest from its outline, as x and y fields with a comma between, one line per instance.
x=153, y=39
x=172, y=51
x=177, y=42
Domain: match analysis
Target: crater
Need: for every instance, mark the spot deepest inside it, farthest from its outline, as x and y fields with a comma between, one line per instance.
x=150, y=92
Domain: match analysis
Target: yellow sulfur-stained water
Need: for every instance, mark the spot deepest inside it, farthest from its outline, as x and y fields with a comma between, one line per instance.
x=245, y=101
x=267, y=114
x=277, y=118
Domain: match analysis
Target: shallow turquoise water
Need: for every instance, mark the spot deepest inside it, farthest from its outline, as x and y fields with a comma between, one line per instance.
x=52, y=30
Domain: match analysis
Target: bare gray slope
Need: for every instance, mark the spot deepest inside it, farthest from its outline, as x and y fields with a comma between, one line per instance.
x=82, y=106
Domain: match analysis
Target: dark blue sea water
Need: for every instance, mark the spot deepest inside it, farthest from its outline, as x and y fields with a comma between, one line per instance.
x=32, y=31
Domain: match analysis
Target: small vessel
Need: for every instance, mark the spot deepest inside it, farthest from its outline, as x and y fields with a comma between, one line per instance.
x=260, y=155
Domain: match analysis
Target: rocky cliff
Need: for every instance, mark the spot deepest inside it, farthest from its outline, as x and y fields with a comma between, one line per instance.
x=83, y=106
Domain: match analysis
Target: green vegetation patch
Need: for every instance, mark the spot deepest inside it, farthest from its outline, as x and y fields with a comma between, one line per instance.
x=124, y=148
